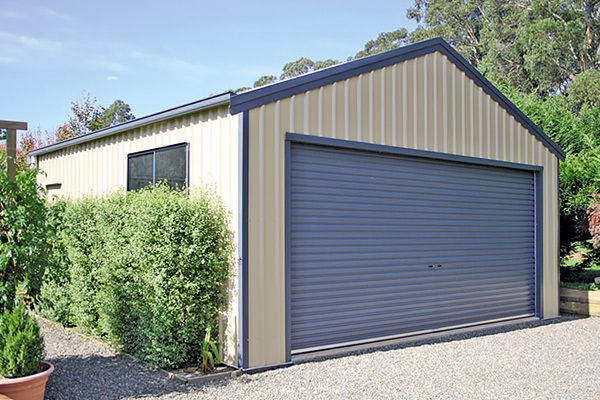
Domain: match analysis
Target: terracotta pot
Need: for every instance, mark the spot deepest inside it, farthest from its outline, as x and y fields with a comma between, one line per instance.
x=30, y=387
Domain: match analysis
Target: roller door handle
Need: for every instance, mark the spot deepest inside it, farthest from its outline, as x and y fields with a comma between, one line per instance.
x=435, y=266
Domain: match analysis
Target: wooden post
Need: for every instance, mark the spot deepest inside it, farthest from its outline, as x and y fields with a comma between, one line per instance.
x=11, y=145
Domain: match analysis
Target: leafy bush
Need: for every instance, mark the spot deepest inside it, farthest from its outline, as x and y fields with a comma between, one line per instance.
x=594, y=220
x=146, y=271
x=21, y=344
x=579, y=180
x=573, y=122
x=27, y=235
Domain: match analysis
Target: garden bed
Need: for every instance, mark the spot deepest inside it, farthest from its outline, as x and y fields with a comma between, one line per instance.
x=583, y=302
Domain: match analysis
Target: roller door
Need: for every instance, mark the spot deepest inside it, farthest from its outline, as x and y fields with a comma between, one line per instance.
x=382, y=246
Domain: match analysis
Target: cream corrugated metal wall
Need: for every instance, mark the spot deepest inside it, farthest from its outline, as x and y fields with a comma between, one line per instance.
x=100, y=166
x=425, y=103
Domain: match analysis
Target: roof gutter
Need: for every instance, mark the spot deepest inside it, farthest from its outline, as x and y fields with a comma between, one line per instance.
x=204, y=104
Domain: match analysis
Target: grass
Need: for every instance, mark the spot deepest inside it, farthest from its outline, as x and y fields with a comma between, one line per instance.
x=579, y=285
x=577, y=272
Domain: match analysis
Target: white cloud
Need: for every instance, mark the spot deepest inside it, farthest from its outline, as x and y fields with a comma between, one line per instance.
x=112, y=78
x=172, y=64
x=51, y=14
x=8, y=14
x=21, y=48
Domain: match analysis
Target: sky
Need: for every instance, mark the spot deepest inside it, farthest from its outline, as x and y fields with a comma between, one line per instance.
x=157, y=55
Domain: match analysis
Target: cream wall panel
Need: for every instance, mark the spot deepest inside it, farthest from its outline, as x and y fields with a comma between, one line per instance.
x=426, y=103
x=100, y=167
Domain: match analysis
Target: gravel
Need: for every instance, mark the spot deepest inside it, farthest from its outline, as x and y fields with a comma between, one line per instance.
x=555, y=359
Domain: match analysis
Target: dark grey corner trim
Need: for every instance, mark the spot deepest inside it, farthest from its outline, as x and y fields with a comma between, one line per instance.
x=209, y=102
x=349, y=144
x=263, y=368
x=558, y=231
x=539, y=244
x=243, y=345
x=288, y=249
x=255, y=98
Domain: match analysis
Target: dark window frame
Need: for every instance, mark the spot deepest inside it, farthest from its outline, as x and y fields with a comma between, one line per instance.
x=158, y=150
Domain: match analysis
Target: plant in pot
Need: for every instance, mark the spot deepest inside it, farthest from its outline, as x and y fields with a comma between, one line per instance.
x=23, y=374
x=27, y=244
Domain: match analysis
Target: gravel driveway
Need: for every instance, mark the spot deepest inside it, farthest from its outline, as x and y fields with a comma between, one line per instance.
x=555, y=359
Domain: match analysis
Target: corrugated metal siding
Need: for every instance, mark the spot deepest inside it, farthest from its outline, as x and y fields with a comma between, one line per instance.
x=366, y=229
x=100, y=166
x=425, y=103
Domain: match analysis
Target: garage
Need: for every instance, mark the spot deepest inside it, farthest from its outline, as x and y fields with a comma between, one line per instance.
x=386, y=197
x=384, y=245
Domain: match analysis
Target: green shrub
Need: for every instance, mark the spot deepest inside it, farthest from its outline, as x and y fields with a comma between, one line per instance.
x=146, y=270
x=21, y=344
x=579, y=180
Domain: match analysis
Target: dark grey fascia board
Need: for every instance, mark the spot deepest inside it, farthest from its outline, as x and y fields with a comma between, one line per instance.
x=203, y=104
x=257, y=97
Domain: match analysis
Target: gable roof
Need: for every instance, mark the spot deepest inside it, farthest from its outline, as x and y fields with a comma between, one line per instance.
x=267, y=94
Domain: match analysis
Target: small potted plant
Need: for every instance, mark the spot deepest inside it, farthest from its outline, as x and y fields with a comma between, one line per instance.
x=23, y=372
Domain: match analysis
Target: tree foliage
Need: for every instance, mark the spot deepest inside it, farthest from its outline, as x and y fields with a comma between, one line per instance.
x=584, y=90
x=117, y=113
x=534, y=45
x=28, y=240
x=265, y=80
x=87, y=115
x=384, y=42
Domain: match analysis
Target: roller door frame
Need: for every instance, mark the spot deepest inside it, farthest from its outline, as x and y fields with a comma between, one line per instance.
x=323, y=142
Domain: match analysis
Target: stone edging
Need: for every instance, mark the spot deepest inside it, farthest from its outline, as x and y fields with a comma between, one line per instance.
x=201, y=378
x=182, y=377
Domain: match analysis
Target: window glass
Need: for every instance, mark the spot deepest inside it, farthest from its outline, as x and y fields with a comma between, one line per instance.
x=171, y=166
x=167, y=164
x=140, y=171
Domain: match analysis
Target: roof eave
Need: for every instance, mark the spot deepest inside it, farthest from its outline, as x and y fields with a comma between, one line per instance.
x=207, y=103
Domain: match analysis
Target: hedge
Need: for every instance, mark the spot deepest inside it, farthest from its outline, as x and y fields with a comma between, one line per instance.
x=146, y=271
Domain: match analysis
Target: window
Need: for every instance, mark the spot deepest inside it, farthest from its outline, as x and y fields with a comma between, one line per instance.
x=150, y=167
x=53, y=190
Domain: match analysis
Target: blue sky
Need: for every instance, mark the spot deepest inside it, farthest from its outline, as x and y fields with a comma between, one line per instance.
x=156, y=55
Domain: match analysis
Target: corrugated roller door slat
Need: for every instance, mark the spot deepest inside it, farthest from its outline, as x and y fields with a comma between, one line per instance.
x=366, y=227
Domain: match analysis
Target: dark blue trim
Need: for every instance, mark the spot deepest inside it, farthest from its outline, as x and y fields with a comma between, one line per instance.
x=379, y=148
x=288, y=250
x=243, y=350
x=558, y=234
x=539, y=243
x=257, y=97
